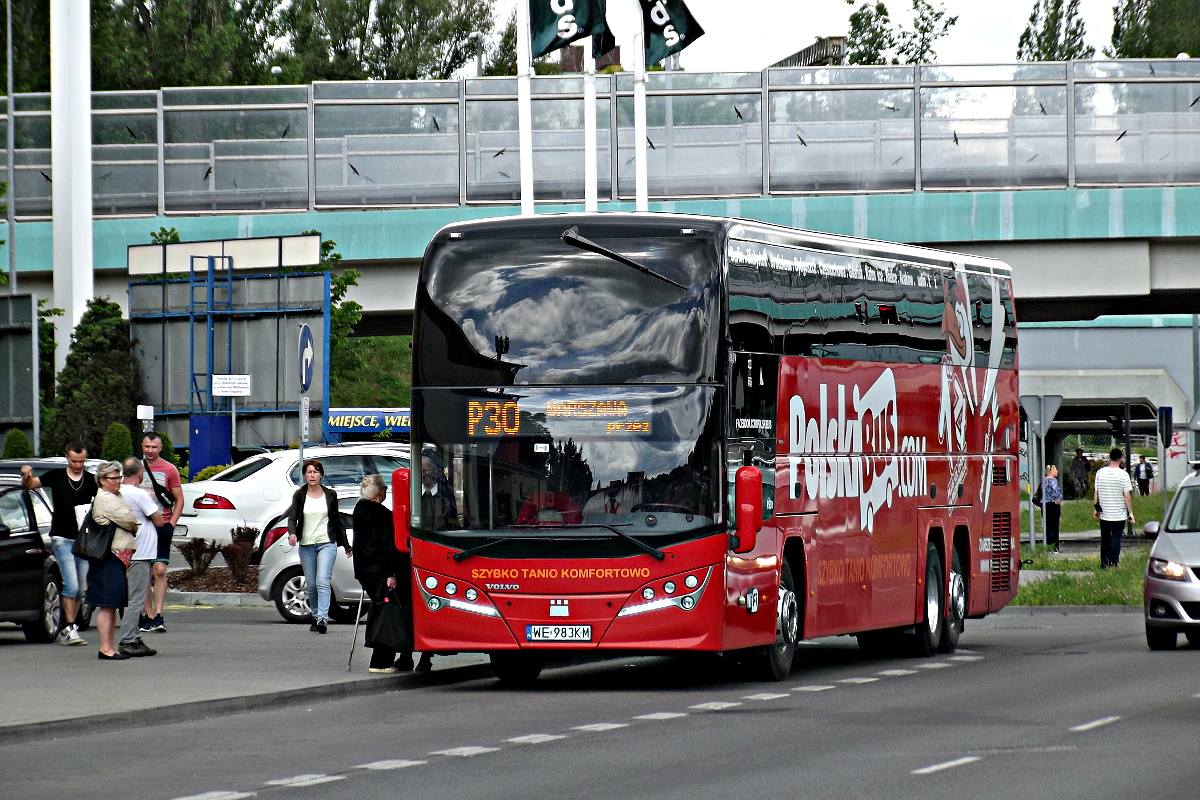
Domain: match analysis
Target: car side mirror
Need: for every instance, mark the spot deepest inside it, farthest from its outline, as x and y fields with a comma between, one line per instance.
x=747, y=499
x=1150, y=529
x=401, y=504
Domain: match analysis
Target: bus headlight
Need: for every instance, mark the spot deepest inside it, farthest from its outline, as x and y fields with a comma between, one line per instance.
x=685, y=602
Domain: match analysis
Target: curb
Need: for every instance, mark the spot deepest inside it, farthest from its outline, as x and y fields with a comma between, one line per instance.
x=1068, y=611
x=202, y=709
x=243, y=599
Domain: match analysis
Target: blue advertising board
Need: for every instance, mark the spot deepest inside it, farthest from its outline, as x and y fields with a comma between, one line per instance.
x=367, y=420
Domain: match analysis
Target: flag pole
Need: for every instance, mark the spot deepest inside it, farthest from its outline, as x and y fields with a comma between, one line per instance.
x=639, y=120
x=524, y=107
x=590, y=189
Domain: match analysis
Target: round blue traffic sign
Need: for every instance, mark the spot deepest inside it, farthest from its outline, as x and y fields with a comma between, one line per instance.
x=308, y=357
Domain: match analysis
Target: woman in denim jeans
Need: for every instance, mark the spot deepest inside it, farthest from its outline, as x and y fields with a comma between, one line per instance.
x=315, y=523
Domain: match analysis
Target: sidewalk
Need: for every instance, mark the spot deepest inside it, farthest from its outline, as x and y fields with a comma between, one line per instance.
x=211, y=660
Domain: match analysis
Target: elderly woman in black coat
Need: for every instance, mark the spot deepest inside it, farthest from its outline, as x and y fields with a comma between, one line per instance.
x=379, y=566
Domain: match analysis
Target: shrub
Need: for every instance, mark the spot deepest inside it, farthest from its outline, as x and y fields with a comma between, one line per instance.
x=118, y=443
x=239, y=552
x=208, y=472
x=16, y=445
x=168, y=450
x=199, y=554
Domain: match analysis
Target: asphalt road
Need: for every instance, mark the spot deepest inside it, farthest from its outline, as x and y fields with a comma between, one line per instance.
x=1033, y=706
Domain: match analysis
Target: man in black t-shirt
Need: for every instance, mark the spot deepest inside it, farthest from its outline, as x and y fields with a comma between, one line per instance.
x=69, y=487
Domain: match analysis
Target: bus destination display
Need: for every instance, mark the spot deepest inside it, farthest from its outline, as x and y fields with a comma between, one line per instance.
x=588, y=417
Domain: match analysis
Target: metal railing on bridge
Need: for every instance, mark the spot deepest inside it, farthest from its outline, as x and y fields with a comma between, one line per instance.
x=438, y=143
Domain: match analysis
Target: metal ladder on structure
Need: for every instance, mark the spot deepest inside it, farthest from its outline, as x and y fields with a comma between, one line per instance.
x=210, y=302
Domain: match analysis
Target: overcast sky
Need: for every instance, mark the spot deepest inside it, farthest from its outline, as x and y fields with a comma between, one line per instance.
x=747, y=35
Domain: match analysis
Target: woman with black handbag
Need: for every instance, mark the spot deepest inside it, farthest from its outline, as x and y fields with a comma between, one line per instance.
x=107, y=590
x=386, y=576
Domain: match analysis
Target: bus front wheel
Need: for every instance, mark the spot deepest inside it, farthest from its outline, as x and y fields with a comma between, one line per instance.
x=774, y=662
x=516, y=668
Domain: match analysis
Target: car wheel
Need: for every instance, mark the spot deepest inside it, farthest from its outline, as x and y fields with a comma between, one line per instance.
x=345, y=614
x=291, y=600
x=45, y=628
x=1161, y=638
x=928, y=636
x=517, y=669
x=774, y=662
x=956, y=611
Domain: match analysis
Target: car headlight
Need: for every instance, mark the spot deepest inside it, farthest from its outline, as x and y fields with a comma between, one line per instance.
x=1168, y=570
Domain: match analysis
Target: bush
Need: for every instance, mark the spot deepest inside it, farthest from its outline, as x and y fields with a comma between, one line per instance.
x=168, y=450
x=118, y=443
x=239, y=552
x=208, y=472
x=16, y=445
x=199, y=554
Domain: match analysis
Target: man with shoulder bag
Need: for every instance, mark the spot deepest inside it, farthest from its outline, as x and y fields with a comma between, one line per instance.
x=161, y=480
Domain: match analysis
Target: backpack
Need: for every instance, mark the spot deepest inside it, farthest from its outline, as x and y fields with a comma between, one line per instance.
x=1037, y=496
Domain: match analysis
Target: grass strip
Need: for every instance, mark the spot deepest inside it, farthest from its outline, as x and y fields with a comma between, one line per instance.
x=1120, y=586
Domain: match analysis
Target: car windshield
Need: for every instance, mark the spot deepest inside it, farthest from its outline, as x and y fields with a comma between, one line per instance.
x=1185, y=511
x=644, y=459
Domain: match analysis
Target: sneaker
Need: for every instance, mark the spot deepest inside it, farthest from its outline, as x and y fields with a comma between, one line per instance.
x=70, y=635
x=136, y=649
x=383, y=670
x=157, y=624
x=320, y=626
x=426, y=662
x=313, y=628
x=145, y=624
x=114, y=657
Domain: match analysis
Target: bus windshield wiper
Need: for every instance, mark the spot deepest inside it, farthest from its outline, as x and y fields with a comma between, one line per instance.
x=571, y=236
x=621, y=534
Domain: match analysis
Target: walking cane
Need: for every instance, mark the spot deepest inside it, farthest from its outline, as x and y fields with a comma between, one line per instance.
x=354, y=638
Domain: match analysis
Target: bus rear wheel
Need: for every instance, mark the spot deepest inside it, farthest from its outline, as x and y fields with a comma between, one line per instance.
x=517, y=668
x=956, y=610
x=928, y=635
x=774, y=662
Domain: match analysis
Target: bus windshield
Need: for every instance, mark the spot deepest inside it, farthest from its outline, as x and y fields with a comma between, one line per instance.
x=643, y=458
x=510, y=311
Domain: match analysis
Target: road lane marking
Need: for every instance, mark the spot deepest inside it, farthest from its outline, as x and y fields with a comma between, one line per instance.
x=535, y=738
x=1096, y=723
x=395, y=763
x=662, y=715
x=765, y=696
x=966, y=658
x=958, y=762
x=716, y=705
x=314, y=779
x=934, y=665
x=219, y=795
x=896, y=673
x=601, y=726
x=469, y=750
x=813, y=688
x=857, y=680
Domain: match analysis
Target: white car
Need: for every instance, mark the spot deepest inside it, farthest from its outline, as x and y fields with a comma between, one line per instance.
x=260, y=489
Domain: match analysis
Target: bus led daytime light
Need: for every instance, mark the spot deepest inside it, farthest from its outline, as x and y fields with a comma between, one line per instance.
x=474, y=608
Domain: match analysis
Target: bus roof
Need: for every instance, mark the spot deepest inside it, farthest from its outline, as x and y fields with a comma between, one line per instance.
x=755, y=231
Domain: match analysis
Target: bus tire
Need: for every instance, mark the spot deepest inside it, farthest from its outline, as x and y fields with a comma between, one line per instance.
x=774, y=662
x=956, y=606
x=517, y=668
x=928, y=634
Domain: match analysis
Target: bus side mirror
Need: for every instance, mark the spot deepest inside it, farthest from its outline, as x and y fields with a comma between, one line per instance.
x=401, y=514
x=747, y=499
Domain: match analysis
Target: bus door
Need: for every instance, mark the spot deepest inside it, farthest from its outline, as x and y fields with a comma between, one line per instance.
x=752, y=578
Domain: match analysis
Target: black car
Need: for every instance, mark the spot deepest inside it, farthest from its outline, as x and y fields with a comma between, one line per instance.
x=30, y=585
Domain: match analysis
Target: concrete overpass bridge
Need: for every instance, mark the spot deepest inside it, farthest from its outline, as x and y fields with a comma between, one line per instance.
x=1084, y=176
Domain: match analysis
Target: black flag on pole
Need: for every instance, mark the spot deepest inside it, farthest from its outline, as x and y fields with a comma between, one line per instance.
x=669, y=27
x=557, y=23
x=603, y=40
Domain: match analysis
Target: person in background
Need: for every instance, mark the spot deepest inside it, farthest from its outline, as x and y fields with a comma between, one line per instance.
x=379, y=566
x=1115, y=505
x=1080, y=468
x=161, y=480
x=69, y=487
x=1143, y=473
x=315, y=523
x=438, y=510
x=107, y=590
x=137, y=576
x=1052, y=496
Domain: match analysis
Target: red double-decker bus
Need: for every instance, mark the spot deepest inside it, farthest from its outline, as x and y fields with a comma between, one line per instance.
x=657, y=432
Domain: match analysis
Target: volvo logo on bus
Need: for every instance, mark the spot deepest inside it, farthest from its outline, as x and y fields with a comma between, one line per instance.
x=503, y=587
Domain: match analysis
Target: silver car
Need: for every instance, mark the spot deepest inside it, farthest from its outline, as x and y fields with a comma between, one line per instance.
x=1172, y=585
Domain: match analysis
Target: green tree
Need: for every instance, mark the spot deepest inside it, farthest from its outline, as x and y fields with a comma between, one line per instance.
x=872, y=36
x=1155, y=29
x=118, y=443
x=16, y=445
x=99, y=384
x=344, y=353
x=168, y=450
x=1055, y=33
x=1131, y=35
x=46, y=348
x=929, y=25
x=31, y=46
x=502, y=59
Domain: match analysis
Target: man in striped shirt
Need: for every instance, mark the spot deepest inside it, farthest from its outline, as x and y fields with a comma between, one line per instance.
x=1114, y=503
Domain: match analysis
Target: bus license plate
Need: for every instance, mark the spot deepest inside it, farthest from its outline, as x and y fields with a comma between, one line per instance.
x=558, y=633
